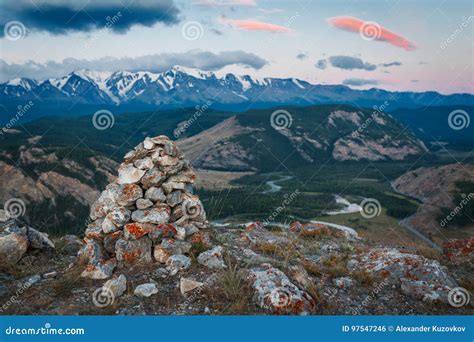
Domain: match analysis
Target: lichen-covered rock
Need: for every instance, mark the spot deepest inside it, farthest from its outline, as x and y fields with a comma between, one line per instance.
x=169, y=247
x=132, y=252
x=149, y=210
x=212, y=258
x=276, y=293
x=101, y=270
x=416, y=275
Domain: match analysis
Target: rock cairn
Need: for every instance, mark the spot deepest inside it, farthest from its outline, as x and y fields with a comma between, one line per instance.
x=149, y=214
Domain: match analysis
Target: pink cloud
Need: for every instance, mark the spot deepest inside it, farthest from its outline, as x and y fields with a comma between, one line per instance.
x=370, y=30
x=225, y=2
x=253, y=25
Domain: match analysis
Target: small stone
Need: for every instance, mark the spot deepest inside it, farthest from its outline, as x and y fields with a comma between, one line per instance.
x=135, y=231
x=33, y=280
x=102, y=270
x=144, y=164
x=180, y=233
x=129, y=174
x=4, y=216
x=108, y=226
x=174, y=198
x=186, y=285
x=132, y=252
x=152, y=215
x=343, y=282
x=50, y=275
x=12, y=248
x=212, y=258
x=148, y=144
x=129, y=194
x=153, y=177
x=119, y=216
x=146, y=290
x=117, y=286
x=207, y=310
x=39, y=240
x=176, y=263
x=143, y=203
x=170, y=186
x=170, y=247
x=155, y=194
x=92, y=252
x=110, y=240
x=71, y=244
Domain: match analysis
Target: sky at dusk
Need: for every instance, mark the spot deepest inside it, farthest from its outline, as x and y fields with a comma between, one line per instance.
x=390, y=44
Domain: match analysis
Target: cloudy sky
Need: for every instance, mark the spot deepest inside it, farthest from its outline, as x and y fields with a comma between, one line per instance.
x=392, y=44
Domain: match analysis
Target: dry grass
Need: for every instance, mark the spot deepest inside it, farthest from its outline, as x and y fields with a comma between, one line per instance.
x=312, y=268
x=322, y=231
x=235, y=288
x=67, y=282
x=428, y=252
x=335, y=265
x=363, y=277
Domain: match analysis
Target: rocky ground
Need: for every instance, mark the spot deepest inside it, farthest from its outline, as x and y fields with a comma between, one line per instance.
x=149, y=250
x=307, y=269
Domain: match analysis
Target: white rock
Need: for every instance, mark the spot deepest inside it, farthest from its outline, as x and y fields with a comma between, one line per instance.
x=148, y=144
x=212, y=258
x=129, y=174
x=117, y=286
x=186, y=285
x=176, y=263
x=146, y=290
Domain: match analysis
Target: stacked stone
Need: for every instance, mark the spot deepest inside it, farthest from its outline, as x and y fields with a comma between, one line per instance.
x=148, y=214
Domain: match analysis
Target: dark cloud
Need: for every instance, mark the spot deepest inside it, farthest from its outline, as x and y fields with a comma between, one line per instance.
x=156, y=63
x=321, y=64
x=350, y=63
x=62, y=17
x=357, y=82
x=387, y=65
x=301, y=56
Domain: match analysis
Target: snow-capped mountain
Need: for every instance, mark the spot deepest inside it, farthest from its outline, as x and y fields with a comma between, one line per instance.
x=181, y=86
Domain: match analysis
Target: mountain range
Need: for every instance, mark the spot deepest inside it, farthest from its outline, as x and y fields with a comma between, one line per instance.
x=182, y=87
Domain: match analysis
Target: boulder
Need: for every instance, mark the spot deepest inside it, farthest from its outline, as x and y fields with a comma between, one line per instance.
x=276, y=293
x=416, y=275
x=12, y=247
